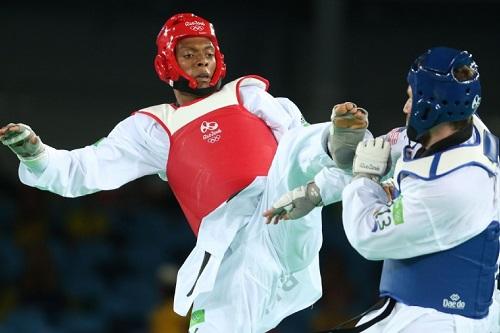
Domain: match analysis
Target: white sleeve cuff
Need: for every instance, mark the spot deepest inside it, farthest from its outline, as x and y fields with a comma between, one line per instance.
x=38, y=164
x=331, y=182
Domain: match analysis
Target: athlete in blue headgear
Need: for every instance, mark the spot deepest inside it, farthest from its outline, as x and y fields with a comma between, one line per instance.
x=439, y=236
x=444, y=87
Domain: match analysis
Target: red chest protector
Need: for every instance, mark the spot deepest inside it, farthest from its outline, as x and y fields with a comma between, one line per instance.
x=217, y=148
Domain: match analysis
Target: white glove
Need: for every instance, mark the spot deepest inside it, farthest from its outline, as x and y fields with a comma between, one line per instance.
x=295, y=204
x=21, y=139
x=372, y=159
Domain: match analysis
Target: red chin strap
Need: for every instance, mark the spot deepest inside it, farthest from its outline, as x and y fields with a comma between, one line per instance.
x=181, y=26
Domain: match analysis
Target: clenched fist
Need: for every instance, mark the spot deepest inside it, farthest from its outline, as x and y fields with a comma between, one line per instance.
x=349, y=123
x=349, y=115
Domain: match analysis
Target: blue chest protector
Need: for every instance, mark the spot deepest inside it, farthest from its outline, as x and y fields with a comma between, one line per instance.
x=460, y=280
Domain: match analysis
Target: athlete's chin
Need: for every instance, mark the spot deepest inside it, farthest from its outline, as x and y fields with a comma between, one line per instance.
x=203, y=84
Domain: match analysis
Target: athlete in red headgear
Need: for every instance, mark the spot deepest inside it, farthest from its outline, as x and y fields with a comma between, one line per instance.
x=175, y=29
x=218, y=148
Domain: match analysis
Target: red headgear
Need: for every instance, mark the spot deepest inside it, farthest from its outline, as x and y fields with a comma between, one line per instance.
x=177, y=27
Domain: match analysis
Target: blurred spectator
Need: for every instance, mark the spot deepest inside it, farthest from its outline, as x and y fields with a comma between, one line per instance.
x=163, y=318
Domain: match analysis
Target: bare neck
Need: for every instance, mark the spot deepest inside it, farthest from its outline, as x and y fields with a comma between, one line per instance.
x=184, y=97
x=438, y=133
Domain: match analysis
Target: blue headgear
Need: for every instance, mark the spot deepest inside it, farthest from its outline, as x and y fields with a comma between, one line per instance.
x=438, y=96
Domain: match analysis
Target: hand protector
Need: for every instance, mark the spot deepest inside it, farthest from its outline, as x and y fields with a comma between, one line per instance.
x=372, y=159
x=349, y=115
x=21, y=139
x=295, y=204
x=349, y=124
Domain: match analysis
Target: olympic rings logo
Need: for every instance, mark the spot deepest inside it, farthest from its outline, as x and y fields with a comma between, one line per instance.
x=205, y=126
x=195, y=25
x=213, y=139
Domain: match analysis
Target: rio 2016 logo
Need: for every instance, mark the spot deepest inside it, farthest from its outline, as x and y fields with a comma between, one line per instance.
x=214, y=132
x=195, y=25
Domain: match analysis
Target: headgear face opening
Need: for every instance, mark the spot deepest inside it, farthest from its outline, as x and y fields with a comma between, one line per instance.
x=181, y=26
x=438, y=95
